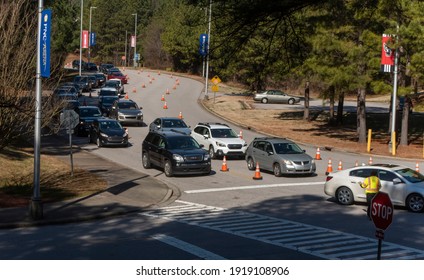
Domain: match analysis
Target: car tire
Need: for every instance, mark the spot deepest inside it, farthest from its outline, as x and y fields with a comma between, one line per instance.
x=212, y=152
x=167, y=168
x=264, y=100
x=277, y=170
x=291, y=101
x=98, y=142
x=344, y=196
x=415, y=203
x=146, y=160
x=251, y=164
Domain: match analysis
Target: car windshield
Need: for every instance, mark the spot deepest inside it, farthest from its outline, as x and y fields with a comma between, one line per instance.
x=127, y=105
x=89, y=112
x=223, y=133
x=287, y=148
x=108, y=93
x=108, y=99
x=173, y=123
x=110, y=125
x=411, y=175
x=185, y=143
x=82, y=79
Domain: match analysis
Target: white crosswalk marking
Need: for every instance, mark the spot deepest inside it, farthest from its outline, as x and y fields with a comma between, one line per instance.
x=316, y=241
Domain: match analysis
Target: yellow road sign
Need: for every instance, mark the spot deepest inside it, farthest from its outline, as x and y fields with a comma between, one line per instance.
x=215, y=88
x=216, y=80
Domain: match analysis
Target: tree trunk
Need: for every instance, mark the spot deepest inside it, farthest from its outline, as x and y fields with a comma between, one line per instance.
x=361, y=127
x=306, y=110
x=340, y=109
x=332, y=93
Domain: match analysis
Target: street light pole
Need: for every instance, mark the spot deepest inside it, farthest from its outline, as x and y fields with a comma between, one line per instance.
x=207, y=50
x=89, y=35
x=80, y=58
x=135, y=40
x=126, y=43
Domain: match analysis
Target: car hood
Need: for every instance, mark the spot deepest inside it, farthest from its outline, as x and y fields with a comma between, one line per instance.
x=230, y=140
x=113, y=132
x=89, y=119
x=188, y=152
x=295, y=157
x=130, y=112
x=185, y=130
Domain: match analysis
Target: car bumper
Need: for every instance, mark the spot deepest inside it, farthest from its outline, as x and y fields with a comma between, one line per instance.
x=299, y=169
x=192, y=168
x=114, y=141
x=130, y=120
x=229, y=152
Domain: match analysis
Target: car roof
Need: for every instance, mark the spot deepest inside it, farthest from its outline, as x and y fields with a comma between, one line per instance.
x=213, y=125
x=109, y=89
x=171, y=133
x=273, y=139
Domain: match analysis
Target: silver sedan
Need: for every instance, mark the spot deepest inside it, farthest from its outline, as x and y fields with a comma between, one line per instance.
x=275, y=96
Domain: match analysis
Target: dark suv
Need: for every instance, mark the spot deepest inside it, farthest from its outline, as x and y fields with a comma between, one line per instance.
x=176, y=153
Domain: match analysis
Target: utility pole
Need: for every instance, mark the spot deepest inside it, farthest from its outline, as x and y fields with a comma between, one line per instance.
x=135, y=40
x=207, y=50
x=80, y=58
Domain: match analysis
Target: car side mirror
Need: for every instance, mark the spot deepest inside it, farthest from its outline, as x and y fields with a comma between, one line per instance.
x=201, y=145
x=206, y=136
x=270, y=153
x=396, y=181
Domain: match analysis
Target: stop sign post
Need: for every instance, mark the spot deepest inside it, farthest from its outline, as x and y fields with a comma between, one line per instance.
x=381, y=215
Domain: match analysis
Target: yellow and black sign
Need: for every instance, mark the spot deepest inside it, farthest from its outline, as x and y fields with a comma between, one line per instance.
x=215, y=80
x=215, y=88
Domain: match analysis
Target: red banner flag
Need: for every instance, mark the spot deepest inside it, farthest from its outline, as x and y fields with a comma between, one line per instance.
x=387, y=55
x=132, y=41
x=85, y=39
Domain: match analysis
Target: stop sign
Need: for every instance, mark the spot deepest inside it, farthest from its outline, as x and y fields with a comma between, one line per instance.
x=381, y=210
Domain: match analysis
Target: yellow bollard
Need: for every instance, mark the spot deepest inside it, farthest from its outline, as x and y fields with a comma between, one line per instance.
x=369, y=140
x=394, y=143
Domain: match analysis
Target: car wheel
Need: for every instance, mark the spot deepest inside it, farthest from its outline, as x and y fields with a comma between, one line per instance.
x=251, y=164
x=415, y=203
x=98, y=142
x=291, y=101
x=211, y=152
x=168, y=168
x=277, y=170
x=264, y=100
x=344, y=196
x=146, y=161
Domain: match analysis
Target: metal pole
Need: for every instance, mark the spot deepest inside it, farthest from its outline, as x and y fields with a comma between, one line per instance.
x=125, y=60
x=207, y=50
x=393, y=129
x=89, y=35
x=80, y=58
x=204, y=61
x=36, y=207
x=135, y=40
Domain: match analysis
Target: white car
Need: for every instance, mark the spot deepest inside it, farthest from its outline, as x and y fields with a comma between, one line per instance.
x=219, y=139
x=404, y=185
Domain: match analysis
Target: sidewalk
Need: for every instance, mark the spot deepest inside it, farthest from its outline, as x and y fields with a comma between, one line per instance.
x=128, y=191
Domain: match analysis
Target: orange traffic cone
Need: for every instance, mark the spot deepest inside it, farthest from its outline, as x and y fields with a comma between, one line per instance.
x=318, y=154
x=224, y=167
x=165, y=106
x=329, y=168
x=178, y=82
x=370, y=161
x=150, y=81
x=257, y=173
x=167, y=91
x=134, y=90
x=417, y=167
x=126, y=131
x=174, y=87
x=340, y=167
x=159, y=73
x=126, y=96
x=241, y=134
x=148, y=75
x=180, y=116
x=356, y=163
x=143, y=86
x=163, y=98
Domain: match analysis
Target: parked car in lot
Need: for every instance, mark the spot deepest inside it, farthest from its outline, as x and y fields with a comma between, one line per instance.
x=87, y=114
x=105, y=103
x=168, y=124
x=126, y=111
x=280, y=156
x=101, y=79
x=107, y=132
x=108, y=91
x=117, y=75
x=105, y=66
x=404, y=185
x=116, y=83
x=91, y=67
x=176, y=153
x=83, y=82
x=275, y=96
x=219, y=139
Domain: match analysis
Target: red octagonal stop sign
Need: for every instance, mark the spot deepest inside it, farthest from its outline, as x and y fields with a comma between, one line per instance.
x=381, y=210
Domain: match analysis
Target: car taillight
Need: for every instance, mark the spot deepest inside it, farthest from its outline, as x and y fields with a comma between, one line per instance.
x=328, y=178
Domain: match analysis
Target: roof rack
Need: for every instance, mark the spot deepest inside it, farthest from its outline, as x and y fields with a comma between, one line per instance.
x=208, y=124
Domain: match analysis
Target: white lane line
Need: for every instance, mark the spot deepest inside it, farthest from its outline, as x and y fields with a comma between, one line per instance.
x=254, y=187
x=190, y=248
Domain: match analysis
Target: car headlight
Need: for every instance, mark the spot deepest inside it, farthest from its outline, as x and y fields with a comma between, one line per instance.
x=245, y=144
x=103, y=135
x=177, y=158
x=219, y=144
x=313, y=161
x=288, y=162
x=125, y=134
x=206, y=157
x=120, y=114
x=140, y=114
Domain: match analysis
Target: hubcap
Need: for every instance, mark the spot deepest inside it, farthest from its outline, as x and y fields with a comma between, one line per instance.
x=416, y=203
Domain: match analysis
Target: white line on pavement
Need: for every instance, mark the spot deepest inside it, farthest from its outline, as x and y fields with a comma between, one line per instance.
x=254, y=187
x=190, y=248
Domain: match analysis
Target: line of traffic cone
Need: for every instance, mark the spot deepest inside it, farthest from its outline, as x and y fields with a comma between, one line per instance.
x=224, y=167
x=258, y=175
x=417, y=167
x=126, y=96
x=370, y=161
x=180, y=116
x=329, y=167
x=167, y=91
x=165, y=106
x=163, y=98
x=241, y=134
x=143, y=85
x=318, y=154
x=134, y=90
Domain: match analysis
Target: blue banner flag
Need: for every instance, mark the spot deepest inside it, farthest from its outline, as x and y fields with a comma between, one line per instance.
x=203, y=44
x=92, y=39
x=45, y=33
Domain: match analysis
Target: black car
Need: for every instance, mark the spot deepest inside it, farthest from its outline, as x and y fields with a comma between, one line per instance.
x=87, y=114
x=91, y=67
x=101, y=79
x=176, y=153
x=108, y=132
x=83, y=83
x=106, y=102
x=105, y=66
x=76, y=63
